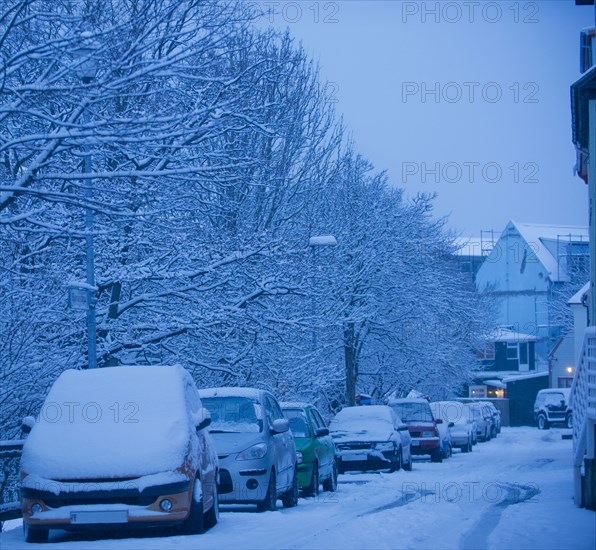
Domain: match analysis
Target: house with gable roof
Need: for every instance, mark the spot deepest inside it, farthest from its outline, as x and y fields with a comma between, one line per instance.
x=528, y=271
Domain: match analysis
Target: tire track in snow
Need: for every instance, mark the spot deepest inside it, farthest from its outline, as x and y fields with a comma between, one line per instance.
x=477, y=536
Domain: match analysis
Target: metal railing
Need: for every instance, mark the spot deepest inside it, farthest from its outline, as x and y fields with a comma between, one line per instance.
x=10, y=457
x=583, y=396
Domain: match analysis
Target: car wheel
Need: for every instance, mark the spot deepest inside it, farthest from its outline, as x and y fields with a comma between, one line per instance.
x=194, y=523
x=39, y=536
x=397, y=463
x=212, y=516
x=569, y=420
x=313, y=487
x=408, y=465
x=330, y=484
x=269, y=503
x=543, y=422
x=290, y=498
x=436, y=456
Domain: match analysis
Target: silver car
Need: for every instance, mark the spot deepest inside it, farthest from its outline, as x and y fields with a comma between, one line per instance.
x=459, y=418
x=256, y=451
x=484, y=420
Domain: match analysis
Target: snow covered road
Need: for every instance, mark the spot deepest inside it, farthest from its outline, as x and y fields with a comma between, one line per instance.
x=512, y=492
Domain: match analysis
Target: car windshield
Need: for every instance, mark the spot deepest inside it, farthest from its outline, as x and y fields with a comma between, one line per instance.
x=233, y=414
x=450, y=412
x=298, y=422
x=413, y=412
x=370, y=423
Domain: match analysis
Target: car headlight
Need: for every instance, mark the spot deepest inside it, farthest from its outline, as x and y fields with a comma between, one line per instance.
x=384, y=446
x=428, y=434
x=253, y=453
x=299, y=457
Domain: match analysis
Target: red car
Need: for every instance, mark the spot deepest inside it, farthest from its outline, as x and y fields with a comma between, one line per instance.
x=418, y=416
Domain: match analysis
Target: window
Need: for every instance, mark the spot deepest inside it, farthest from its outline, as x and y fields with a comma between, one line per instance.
x=319, y=422
x=477, y=391
x=298, y=422
x=512, y=351
x=272, y=410
x=488, y=352
x=565, y=382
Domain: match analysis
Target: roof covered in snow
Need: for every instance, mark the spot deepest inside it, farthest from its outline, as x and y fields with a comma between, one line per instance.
x=578, y=298
x=548, y=242
x=502, y=334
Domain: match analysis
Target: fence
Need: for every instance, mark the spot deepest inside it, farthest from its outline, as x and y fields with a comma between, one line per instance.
x=10, y=457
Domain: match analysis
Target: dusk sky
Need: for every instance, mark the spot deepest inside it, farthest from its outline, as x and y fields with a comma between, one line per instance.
x=479, y=90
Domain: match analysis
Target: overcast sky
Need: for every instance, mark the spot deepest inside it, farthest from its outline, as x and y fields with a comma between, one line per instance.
x=479, y=90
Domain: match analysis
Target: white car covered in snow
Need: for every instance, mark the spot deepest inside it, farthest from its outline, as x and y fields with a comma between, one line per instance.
x=459, y=418
x=371, y=438
x=119, y=447
x=257, y=454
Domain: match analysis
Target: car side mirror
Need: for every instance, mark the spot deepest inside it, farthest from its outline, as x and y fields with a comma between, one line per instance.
x=438, y=421
x=206, y=419
x=280, y=426
x=321, y=432
x=451, y=424
x=27, y=424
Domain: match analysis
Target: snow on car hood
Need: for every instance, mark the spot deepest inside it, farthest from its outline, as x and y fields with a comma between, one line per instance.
x=236, y=442
x=365, y=431
x=111, y=422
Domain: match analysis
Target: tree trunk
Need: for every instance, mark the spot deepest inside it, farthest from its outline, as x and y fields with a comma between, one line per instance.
x=350, y=361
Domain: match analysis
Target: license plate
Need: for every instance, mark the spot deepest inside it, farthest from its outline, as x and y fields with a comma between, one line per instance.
x=355, y=457
x=415, y=443
x=99, y=516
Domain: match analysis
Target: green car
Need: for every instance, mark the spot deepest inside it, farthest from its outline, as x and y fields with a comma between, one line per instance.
x=314, y=447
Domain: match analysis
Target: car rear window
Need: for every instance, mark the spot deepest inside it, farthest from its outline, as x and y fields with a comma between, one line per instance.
x=413, y=412
x=233, y=414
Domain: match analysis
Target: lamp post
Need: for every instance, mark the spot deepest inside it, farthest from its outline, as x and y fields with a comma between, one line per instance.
x=86, y=70
x=314, y=243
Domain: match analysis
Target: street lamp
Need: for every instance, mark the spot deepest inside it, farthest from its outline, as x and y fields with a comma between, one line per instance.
x=86, y=70
x=314, y=243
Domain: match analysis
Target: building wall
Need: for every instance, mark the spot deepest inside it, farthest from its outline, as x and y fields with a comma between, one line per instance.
x=580, y=322
x=562, y=359
x=521, y=395
x=513, y=273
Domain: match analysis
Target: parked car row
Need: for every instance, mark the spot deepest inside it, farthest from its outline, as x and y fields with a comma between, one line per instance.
x=142, y=446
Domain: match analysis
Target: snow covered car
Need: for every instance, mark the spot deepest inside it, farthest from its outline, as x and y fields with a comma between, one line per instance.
x=370, y=438
x=418, y=416
x=552, y=406
x=496, y=416
x=257, y=455
x=119, y=447
x=459, y=419
x=444, y=428
x=484, y=420
x=314, y=447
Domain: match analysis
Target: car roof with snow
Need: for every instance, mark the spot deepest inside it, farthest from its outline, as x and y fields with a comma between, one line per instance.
x=229, y=391
x=366, y=412
x=113, y=422
x=407, y=400
x=294, y=405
